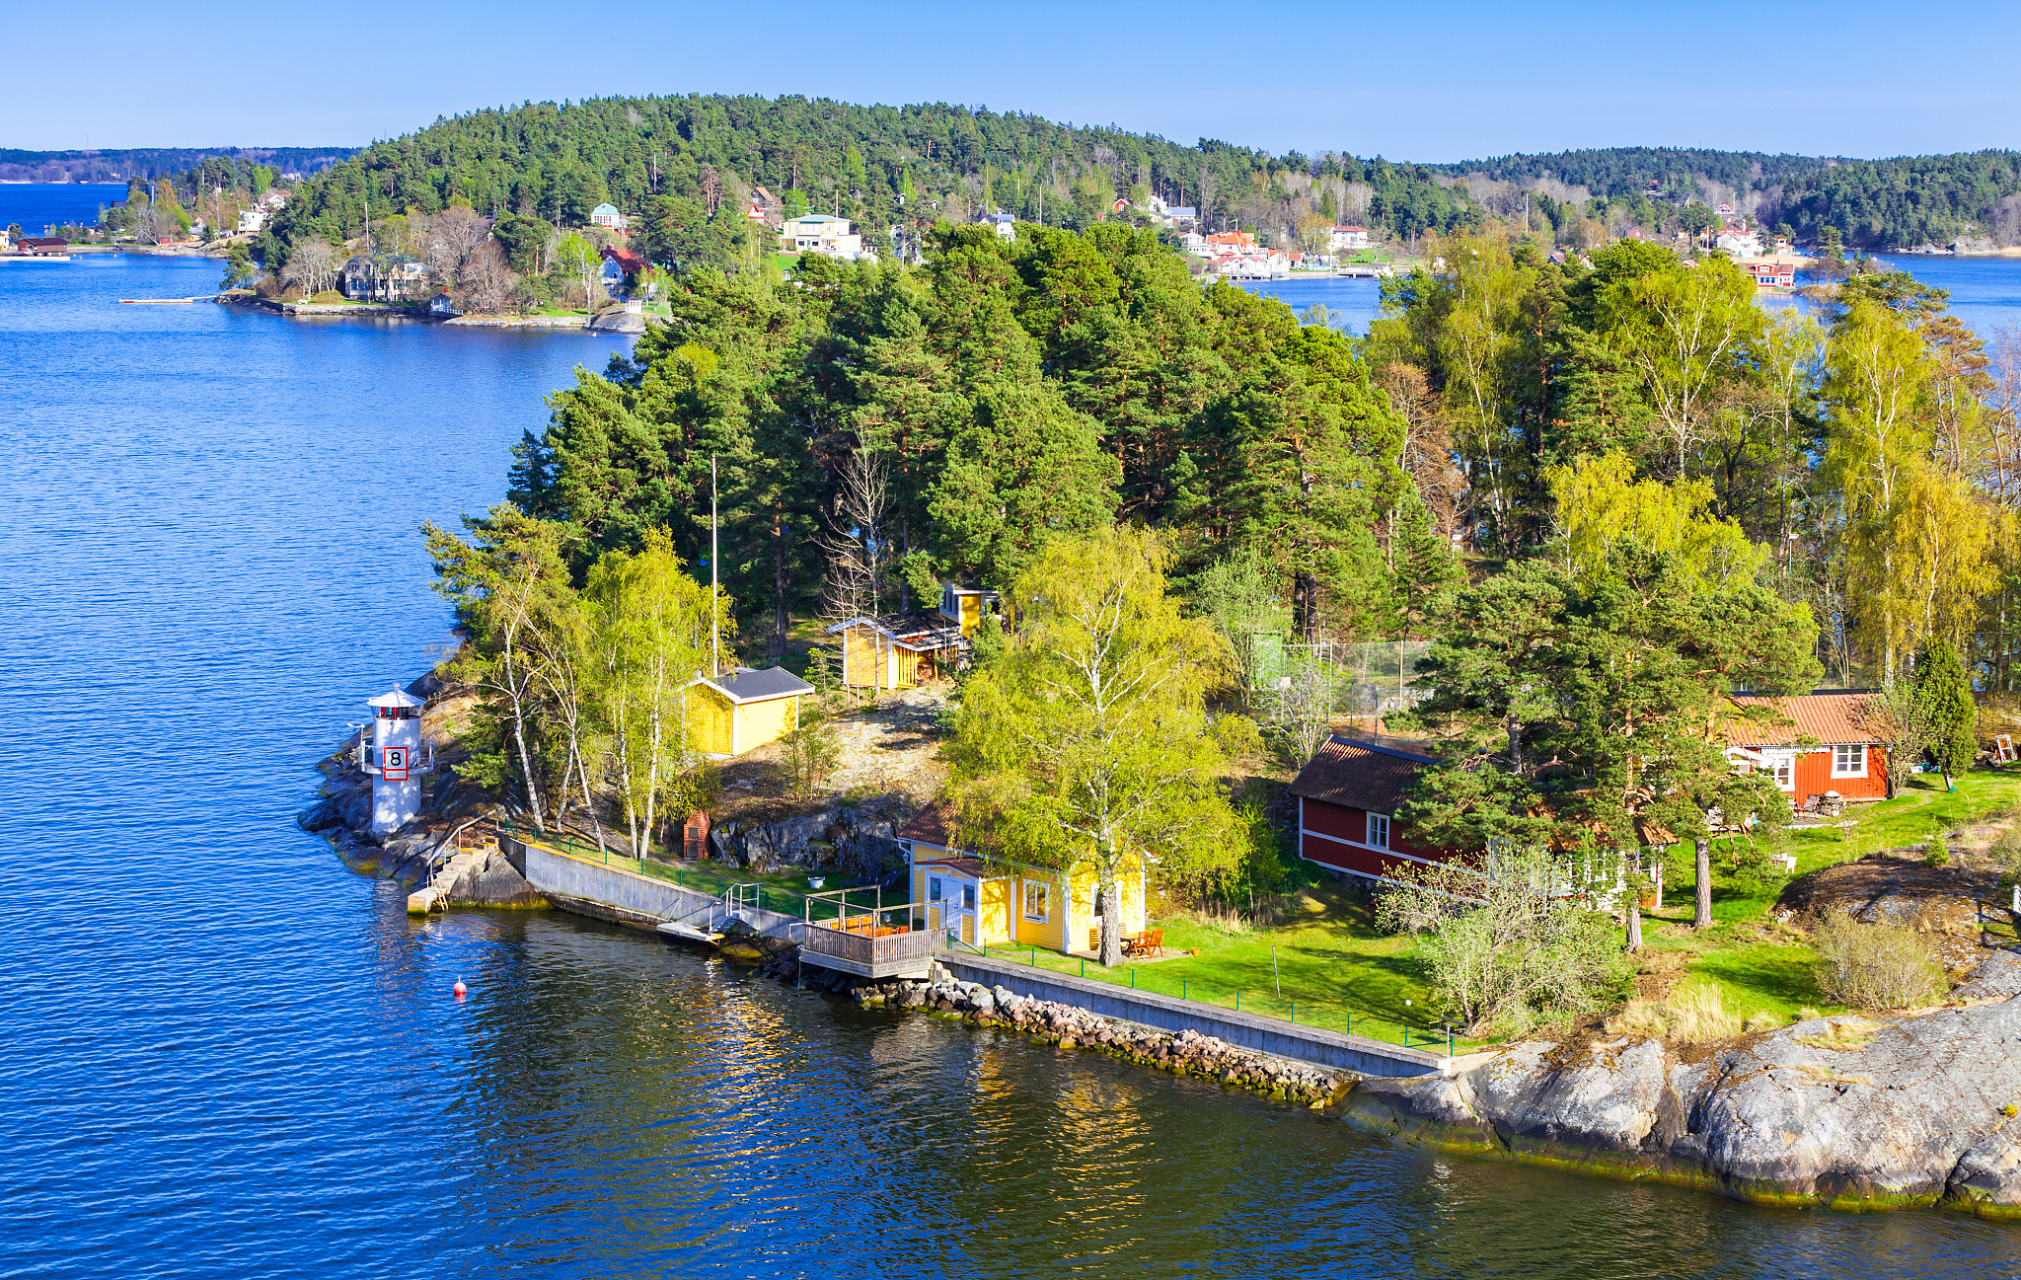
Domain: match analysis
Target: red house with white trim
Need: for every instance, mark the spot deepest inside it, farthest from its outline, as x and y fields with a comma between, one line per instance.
x=1348, y=795
x=1849, y=758
x=1772, y=275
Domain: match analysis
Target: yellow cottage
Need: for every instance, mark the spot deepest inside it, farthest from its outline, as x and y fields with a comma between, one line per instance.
x=744, y=709
x=1026, y=906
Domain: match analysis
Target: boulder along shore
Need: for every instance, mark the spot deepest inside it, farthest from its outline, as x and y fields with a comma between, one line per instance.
x=1848, y=1113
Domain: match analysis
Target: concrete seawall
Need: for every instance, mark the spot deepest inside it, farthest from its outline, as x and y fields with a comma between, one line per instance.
x=575, y=884
x=1245, y=1031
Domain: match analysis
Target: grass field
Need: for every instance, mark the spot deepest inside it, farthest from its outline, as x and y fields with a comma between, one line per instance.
x=1759, y=966
x=1338, y=967
x=1326, y=966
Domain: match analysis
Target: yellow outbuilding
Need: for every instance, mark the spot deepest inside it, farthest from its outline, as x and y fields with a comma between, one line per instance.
x=985, y=903
x=743, y=709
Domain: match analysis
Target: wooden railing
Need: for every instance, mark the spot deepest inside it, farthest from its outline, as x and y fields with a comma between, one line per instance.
x=884, y=955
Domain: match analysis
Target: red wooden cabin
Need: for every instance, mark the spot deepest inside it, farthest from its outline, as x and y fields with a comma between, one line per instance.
x=1348, y=795
x=1848, y=759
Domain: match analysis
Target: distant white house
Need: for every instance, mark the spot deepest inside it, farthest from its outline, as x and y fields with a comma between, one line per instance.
x=1347, y=237
x=252, y=221
x=1005, y=224
x=1739, y=242
x=607, y=217
x=824, y=234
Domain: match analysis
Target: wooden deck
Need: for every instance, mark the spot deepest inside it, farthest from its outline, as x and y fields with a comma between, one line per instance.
x=888, y=953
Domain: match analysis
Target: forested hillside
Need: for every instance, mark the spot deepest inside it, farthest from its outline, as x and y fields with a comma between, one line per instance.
x=155, y=162
x=878, y=165
x=886, y=166
x=1873, y=204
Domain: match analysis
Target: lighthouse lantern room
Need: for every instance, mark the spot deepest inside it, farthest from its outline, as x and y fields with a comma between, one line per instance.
x=389, y=749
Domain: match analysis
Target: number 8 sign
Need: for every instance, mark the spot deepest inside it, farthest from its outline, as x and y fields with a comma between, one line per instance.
x=393, y=764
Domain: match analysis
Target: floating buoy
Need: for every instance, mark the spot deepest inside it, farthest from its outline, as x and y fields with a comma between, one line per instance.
x=460, y=990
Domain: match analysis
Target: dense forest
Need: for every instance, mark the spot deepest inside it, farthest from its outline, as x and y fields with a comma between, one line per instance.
x=1007, y=392
x=891, y=167
x=879, y=165
x=1599, y=497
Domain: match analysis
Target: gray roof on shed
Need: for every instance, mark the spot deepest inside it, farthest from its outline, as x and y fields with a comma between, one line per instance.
x=748, y=685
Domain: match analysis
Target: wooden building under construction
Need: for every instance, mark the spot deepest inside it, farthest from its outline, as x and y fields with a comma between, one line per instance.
x=901, y=650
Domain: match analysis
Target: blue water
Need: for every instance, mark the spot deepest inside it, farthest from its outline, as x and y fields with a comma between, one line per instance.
x=1985, y=292
x=224, y=1054
x=38, y=206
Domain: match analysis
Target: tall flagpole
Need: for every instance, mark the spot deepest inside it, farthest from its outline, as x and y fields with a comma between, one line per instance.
x=715, y=628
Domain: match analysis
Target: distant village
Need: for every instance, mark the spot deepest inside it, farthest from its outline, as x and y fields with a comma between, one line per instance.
x=389, y=276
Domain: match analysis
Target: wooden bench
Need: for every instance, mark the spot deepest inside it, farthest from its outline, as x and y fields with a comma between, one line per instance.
x=1145, y=943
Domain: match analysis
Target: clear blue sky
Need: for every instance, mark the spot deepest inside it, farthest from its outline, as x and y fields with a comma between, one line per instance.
x=1408, y=81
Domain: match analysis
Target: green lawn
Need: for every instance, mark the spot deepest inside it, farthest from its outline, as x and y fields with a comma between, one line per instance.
x=1757, y=967
x=1333, y=969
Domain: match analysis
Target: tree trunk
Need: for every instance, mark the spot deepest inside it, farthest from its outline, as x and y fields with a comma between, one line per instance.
x=781, y=616
x=1305, y=604
x=589, y=802
x=1702, y=917
x=1112, y=924
x=1634, y=908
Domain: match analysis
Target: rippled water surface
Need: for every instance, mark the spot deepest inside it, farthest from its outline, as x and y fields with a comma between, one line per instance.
x=223, y=1054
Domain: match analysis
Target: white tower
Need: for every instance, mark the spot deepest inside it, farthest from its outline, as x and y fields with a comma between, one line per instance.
x=390, y=750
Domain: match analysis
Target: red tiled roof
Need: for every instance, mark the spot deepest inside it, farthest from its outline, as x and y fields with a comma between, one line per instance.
x=1830, y=717
x=1359, y=775
x=929, y=826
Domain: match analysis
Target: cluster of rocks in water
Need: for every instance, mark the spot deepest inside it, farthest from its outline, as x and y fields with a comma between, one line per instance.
x=1186, y=1053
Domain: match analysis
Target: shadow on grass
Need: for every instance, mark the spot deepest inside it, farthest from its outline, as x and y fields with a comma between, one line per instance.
x=1781, y=974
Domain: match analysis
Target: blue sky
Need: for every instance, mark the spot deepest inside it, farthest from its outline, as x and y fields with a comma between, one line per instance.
x=1435, y=83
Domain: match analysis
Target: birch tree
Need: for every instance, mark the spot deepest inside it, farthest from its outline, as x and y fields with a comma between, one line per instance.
x=507, y=583
x=1681, y=328
x=1877, y=374
x=1086, y=744
x=652, y=627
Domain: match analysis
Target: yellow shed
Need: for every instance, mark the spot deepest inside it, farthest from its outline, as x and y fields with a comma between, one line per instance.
x=1027, y=906
x=744, y=709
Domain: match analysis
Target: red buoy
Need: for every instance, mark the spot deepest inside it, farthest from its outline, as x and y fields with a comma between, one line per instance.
x=460, y=990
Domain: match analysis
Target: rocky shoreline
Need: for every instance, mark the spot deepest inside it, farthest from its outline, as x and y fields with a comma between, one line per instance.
x=1846, y=1113
x=1184, y=1053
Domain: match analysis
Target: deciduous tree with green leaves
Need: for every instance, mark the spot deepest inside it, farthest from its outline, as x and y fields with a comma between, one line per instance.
x=1086, y=743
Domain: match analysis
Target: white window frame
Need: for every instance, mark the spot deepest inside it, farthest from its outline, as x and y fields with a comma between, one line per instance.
x=1377, y=831
x=1783, y=770
x=1045, y=900
x=933, y=893
x=1840, y=751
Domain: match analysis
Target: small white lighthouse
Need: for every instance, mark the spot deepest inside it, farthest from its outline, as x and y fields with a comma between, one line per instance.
x=390, y=750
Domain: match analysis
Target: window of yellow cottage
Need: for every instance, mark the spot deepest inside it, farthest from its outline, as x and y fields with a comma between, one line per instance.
x=1021, y=905
x=744, y=709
